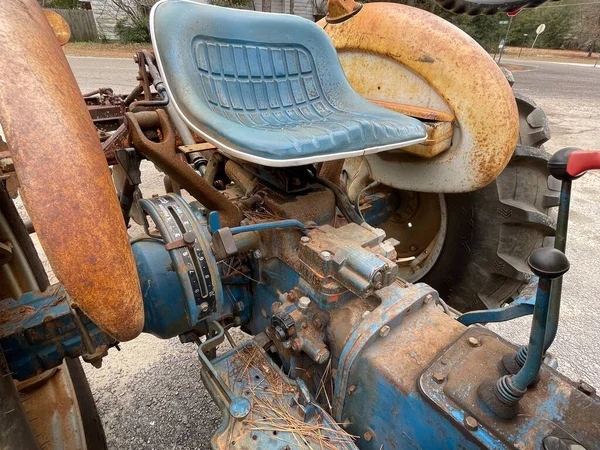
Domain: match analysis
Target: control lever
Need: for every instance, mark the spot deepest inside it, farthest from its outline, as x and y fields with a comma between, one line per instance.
x=502, y=396
x=565, y=165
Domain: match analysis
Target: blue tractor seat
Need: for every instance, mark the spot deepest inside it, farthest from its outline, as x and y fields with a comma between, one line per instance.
x=267, y=88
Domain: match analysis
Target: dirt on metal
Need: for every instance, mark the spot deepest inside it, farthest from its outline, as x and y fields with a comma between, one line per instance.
x=437, y=66
x=63, y=173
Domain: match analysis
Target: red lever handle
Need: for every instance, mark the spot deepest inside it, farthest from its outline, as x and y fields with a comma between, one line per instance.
x=572, y=162
x=581, y=161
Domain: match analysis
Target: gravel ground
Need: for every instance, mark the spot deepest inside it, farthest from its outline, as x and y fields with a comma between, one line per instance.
x=150, y=395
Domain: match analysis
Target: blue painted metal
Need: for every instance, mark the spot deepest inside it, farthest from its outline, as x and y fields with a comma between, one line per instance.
x=195, y=264
x=523, y=306
x=555, y=407
x=274, y=398
x=535, y=348
x=166, y=312
x=38, y=331
x=278, y=224
x=395, y=302
x=268, y=88
x=560, y=243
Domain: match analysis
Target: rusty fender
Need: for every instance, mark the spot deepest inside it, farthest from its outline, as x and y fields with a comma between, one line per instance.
x=72, y=202
x=164, y=155
x=395, y=53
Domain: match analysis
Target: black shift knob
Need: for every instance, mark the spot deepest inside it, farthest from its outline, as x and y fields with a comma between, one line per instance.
x=548, y=262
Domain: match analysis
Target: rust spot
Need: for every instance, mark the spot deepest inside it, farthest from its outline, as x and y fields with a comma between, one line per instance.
x=43, y=113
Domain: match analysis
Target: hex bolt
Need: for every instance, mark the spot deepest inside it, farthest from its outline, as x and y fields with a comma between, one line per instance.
x=413, y=248
x=351, y=390
x=384, y=331
x=365, y=314
x=325, y=254
x=438, y=377
x=257, y=254
x=239, y=306
x=474, y=342
x=303, y=303
x=586, y=388
x=378, y=280
x=345, y=423
x=368, y=435
x=428, y=298
x=204, y=306
x=471, y=423
x=305, y=239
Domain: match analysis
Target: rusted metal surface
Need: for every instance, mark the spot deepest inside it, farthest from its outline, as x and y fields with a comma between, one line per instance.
x=165, y=156
x=551, y=407
x=87, y=246
x=436, y=66
x=340, y=10
x=418, y=112
x=59, y=427
x=332, y=170
x=439, y=139
x=59, y=25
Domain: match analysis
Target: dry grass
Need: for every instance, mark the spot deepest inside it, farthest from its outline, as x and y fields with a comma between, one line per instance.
x=552, y=55
x=104, y=50
x=271, y=414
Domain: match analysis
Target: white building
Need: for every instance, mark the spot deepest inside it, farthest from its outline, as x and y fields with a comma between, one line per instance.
x=106, y=13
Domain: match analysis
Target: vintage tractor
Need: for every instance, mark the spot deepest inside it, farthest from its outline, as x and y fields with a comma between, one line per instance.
x=327, y=188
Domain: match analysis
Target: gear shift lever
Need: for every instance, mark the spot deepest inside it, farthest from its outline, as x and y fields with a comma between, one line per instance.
x=502, y=396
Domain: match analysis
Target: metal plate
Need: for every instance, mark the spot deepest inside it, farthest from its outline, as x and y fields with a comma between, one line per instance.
x=552, y=407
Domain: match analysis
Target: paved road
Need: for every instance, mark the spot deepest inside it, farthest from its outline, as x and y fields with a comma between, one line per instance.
x=150, y=394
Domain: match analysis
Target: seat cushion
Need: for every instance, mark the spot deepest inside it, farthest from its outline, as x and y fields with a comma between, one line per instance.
x=267, y=88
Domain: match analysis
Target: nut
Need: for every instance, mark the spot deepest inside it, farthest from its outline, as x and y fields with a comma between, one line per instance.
x=257, y=254
x=586, y=388
x=384, y=331
x=204, y=306
x=303, y=303
x=368, y=435
x=438, y=377
x=474, y=342
x=471, y=423
x=351, y=390
x=305, y=239
x=325, y=254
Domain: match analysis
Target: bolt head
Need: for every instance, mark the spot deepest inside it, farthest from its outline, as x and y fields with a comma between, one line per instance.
x=189, y=238
x=474, y=342
x=586, y=388
x=471, y=423
x=384, y=331
x=351, y=390
x=428, y=298
x=305, y=239
x=368, y=435
x=296, y=345
x=365, y=314
x=325, y=254
x=204, y=306
x=303, y=303
x=257, y=254
x=438, y=377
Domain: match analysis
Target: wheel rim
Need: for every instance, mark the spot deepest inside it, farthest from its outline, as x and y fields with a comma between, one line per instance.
x=419, y=224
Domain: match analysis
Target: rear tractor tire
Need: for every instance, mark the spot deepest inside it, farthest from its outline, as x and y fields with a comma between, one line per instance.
x=475, y=254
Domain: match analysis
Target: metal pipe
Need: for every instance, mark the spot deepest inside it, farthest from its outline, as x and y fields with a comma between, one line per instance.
x=535, y=352
x=72, y=205
x=560, y=243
